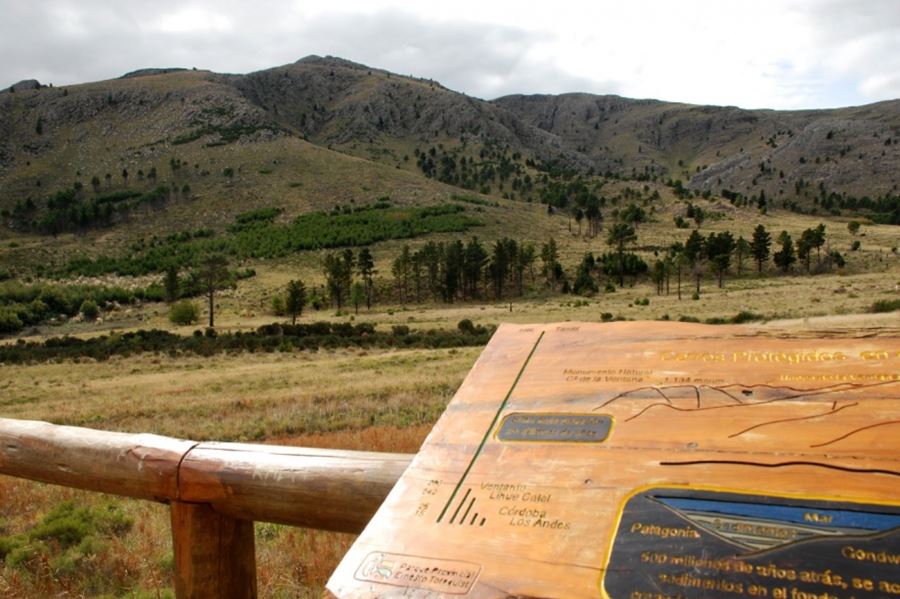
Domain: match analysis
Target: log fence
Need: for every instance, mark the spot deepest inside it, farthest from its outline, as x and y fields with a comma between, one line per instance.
x=215, y=490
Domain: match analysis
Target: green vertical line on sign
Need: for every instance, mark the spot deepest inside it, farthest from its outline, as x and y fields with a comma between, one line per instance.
x=490, y=428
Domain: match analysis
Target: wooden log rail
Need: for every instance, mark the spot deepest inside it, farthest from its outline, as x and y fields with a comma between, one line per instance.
x=215, y=490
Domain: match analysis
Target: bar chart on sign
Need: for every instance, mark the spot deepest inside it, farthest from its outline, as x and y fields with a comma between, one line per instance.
x=646, y=460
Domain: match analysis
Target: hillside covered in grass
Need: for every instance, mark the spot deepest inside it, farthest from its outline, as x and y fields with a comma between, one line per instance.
x=107, y=188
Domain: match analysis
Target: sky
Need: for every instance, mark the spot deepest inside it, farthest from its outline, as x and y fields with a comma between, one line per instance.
x=783, y=54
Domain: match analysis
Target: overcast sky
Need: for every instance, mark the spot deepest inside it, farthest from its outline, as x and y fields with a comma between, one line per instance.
x=754, y=54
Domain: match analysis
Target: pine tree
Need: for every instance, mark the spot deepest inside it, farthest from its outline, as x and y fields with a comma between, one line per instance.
x=338, y=269
x=818, y=240
x=170, y=284
x=550, y=267
x=400, y=269
x=295, y=299
x=719, y=248
x=357, y=295
x=475, y=259
x=619, y=236
x=760, y=246
x=742, y=250
x=785, y=257
x=213, y=275
x=365, y=265
x=805, y=245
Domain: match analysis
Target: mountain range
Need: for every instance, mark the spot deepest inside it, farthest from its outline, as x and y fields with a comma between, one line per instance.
x=116, y=131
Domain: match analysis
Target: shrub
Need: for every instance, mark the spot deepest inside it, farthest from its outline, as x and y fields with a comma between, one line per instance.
x=10, y=321
x=68, y=537
x=184, y=312
x=855, y=245
x=838, y=259
x=266, y=338
x=465, y=326
x=885, y=306
x=89, y=310
x=278, y=308
x=745, y=316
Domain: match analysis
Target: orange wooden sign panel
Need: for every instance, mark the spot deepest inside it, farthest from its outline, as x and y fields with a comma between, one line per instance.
x=649, y=460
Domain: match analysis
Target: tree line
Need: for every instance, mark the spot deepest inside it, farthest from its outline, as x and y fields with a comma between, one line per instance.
x=718, y=252
x=473, y=270
x=440, y=271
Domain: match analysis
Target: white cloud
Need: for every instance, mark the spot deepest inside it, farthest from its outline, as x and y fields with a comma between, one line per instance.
x=752, y=53
x=194, y=20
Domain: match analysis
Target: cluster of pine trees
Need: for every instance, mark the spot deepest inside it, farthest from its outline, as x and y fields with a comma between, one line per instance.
x=717, y=252
x=340, y=268
x=457, y=270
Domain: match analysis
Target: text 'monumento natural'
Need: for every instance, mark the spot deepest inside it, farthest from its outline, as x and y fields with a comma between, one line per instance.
x=651, y=461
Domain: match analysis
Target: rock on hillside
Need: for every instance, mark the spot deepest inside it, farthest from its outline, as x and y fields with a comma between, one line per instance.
x=849, y=150
x=338, y=102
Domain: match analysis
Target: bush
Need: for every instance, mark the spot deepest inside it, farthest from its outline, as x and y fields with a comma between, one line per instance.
x=184, y=312
x=465, y=326
x=885, y=306
x=266, y=338
x=10, y=322
x=69, y=537
x=89, y=310
x=745, y=316
x=855, y=245
x=278, y=308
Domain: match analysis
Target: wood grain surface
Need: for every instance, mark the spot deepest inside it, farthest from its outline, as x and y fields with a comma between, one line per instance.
x=533, y=482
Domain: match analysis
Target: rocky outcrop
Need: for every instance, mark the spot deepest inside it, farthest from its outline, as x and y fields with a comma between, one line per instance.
x=24, y=85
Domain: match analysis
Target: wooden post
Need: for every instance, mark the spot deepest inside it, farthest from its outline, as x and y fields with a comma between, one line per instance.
x=214, y=554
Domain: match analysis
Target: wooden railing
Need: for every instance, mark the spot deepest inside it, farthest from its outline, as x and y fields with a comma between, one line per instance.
x=215, y=490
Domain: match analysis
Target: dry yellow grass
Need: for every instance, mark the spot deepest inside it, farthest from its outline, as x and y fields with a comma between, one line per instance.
x=359, y=399
x=312, y=399
x=246, y=397
x=375, y=400
x=291, y=562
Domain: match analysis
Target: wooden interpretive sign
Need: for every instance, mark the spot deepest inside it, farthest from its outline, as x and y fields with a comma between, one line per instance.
x=649, y=460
